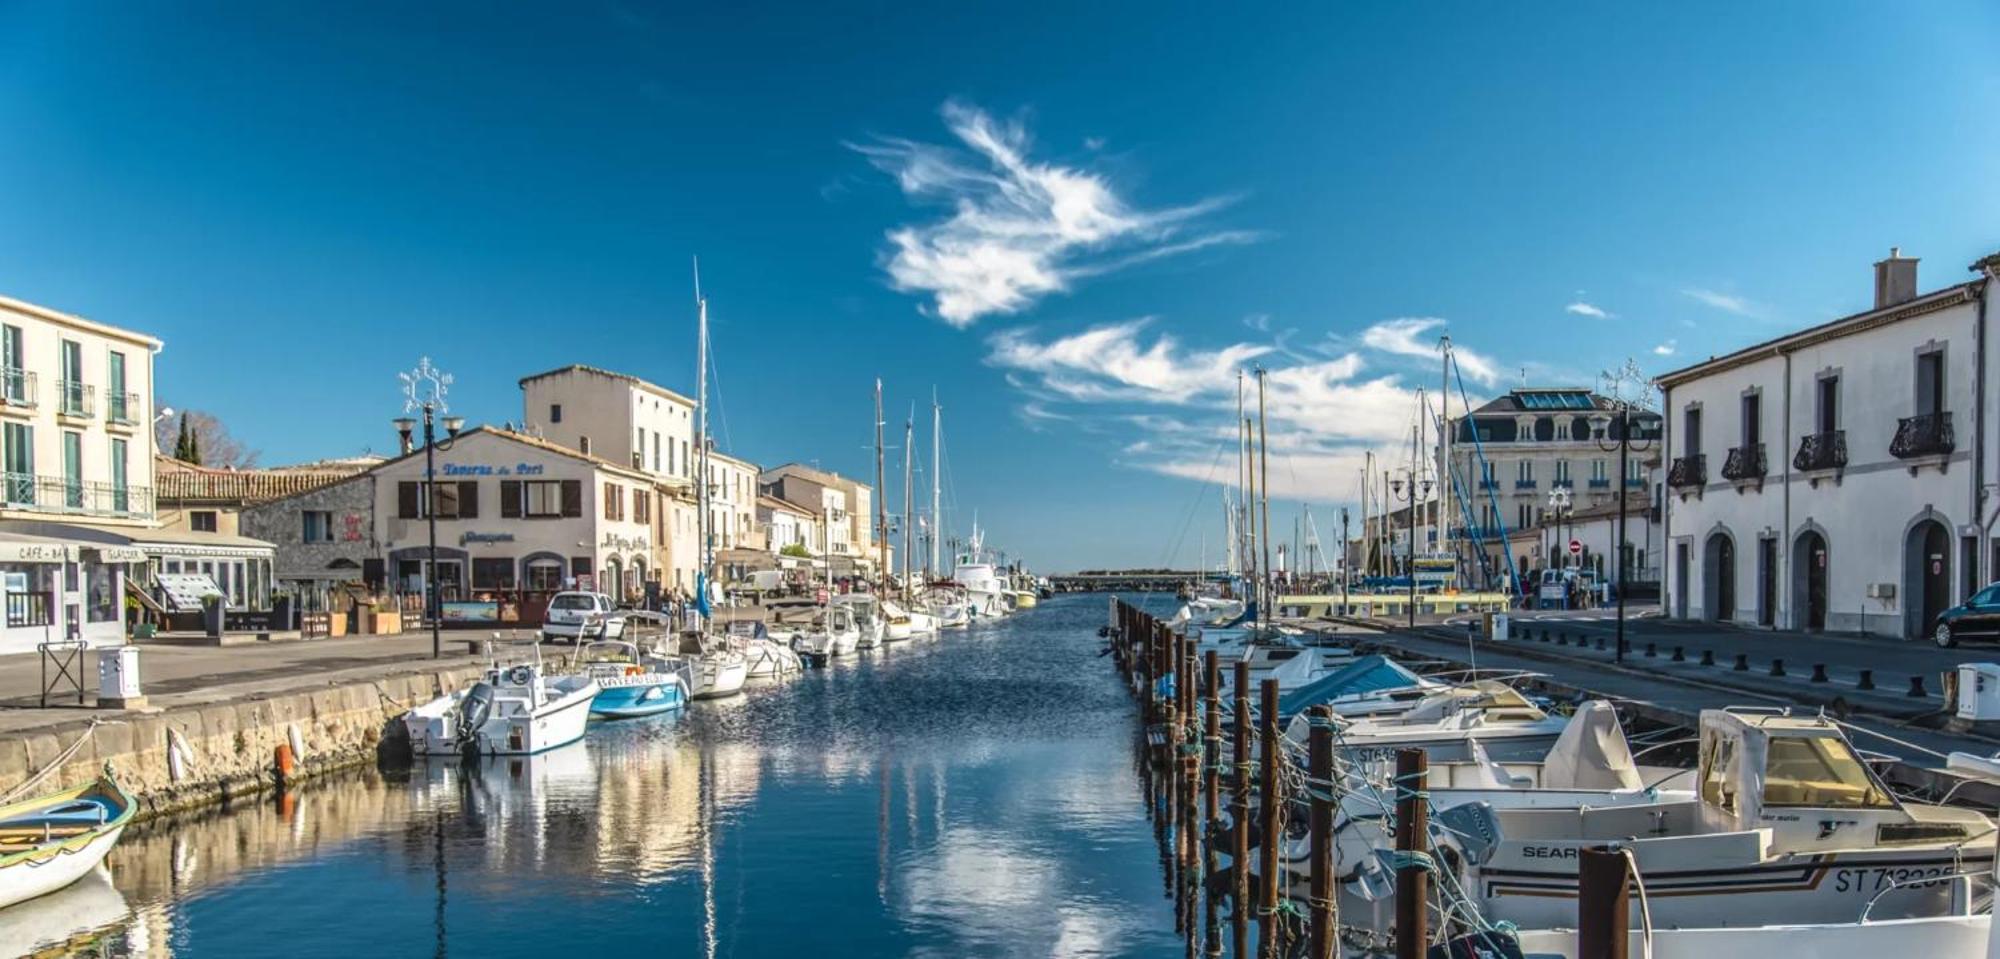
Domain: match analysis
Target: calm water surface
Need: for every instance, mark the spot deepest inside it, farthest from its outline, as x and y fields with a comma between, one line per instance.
x=969, y=796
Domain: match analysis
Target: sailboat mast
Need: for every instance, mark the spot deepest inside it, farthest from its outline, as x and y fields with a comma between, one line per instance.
x=881, y=496
x=909, y=508
x=937, y=517
x=1444, y=456
x=1264, y=481
x=701, y=428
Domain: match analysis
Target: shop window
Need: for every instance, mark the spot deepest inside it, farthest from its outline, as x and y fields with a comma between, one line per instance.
x=493, y=573
x=555, y=412
x=101, y=601
x=545, y=575
x=202, y=520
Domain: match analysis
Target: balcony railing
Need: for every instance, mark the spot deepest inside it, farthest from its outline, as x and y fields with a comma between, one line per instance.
x=1635, y=482
x=1524, y=484
x=1600, y=482
x=124, y=408
x=1821, y=451
x=76, y=399
x=17, y=387
x=55, y=494
x=1745, y=463
x=1926, y=435
x=1489, y=484
x=1562, y=484
x=1688, y=471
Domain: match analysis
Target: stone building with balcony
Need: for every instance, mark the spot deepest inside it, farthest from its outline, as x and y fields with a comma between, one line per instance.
x=1509, y=455
x=1839, y=477
x=843, y=507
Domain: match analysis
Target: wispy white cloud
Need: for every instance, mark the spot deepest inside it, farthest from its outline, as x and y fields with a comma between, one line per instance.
x=1113, y=363
x=1726, y=302
x=1018, y=230
x=1666, y=349
x=1406, y=336
x=1580, y=308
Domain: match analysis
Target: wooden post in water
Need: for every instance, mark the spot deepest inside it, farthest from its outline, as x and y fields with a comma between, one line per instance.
x=1603, y=925
x=1268, y=803
x=1412, y=838
x=1211, y=756
x=1239, y=825
x=1319, y=764
x=1189, y=760
x=1169, y=758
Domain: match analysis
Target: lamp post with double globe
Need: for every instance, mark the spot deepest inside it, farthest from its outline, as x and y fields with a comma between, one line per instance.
x=1601, y=432
x=424, y=390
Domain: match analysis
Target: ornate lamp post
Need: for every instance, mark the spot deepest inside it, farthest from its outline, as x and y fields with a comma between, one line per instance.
x=1415, y=498
x=424, y=389
x=1600, y=431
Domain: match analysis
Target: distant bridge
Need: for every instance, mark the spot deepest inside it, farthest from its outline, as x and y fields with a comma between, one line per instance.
x=1131, y=581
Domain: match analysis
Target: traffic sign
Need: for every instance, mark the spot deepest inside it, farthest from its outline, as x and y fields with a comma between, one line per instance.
x=1576, y=547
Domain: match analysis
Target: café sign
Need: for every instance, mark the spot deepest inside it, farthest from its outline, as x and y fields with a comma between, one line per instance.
x=615, y=541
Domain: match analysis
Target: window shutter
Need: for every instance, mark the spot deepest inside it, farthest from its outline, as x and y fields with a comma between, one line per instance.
x=468, y=499
x=510, y=499
x=406, y=500
x=572, y=497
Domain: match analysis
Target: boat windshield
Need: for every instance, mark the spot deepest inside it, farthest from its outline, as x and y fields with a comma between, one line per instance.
x=1821, y=772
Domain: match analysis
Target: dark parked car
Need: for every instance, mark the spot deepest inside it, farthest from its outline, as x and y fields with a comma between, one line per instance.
x=1976, y=618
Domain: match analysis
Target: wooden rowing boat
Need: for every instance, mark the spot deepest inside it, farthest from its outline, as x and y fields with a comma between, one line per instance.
x=50, y=841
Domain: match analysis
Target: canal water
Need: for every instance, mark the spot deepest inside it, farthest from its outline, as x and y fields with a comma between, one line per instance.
x=974, y=795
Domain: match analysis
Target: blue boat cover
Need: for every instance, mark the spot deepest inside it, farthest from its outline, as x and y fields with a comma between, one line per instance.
x=1365, y=675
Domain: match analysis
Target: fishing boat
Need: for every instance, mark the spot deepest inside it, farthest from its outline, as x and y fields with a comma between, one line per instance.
x=768, y=656
x=987, y=596
x=84, y=918
x=515, y=710
x=49, y=842
x=632, y=682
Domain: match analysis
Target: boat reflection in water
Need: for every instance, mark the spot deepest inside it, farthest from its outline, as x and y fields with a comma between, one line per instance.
x=952, y=798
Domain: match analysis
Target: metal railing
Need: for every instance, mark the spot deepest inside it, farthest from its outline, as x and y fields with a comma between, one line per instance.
x=124, y=408
x=1489, y=483
x=56, y=494
x=76, y=399
x=1600, y=482
x=1524, y=484
x=17, y=387
x=1688, y=471
x=30, y=609
x=1745, y=463
x=1927, y=434
x=1821, y=451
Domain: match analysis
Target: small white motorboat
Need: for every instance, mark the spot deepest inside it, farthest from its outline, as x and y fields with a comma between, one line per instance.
x=51, y=841
x=632, y=682
x=832, y=634
x=767, y=657
x=716, y=668
x=870, y=629
x=1445, y=722
x=516, y=710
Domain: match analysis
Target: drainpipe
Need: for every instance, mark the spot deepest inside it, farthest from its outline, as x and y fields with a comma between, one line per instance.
x=1670, y=602
x=1781, y=590
x=1991, y=272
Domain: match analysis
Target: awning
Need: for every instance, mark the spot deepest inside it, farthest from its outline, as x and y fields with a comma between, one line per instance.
x=116, y=554
x=22, y=548
x=185, y=591
x=747, y=558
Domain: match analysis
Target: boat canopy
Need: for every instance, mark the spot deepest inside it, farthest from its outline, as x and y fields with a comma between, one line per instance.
x=1591, y=753
x=1751, y=762
x=1368, y=674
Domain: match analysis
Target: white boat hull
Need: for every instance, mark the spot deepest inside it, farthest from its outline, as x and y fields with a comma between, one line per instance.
x=38, y=877
x=716, y=677
x=1943, y=936
x=433, y=727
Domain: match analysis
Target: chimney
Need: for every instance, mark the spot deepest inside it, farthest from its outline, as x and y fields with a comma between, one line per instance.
x=1895, y=279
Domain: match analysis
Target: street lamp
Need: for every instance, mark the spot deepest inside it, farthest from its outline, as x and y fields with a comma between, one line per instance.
x=424, y=389
x=1415, y=497
x=1600, y=429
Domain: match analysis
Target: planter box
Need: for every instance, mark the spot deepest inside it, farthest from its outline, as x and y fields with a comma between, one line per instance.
x=385, y=623
x=337, y=624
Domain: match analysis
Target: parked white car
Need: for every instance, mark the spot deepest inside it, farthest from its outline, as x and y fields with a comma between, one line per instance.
x=579, y=616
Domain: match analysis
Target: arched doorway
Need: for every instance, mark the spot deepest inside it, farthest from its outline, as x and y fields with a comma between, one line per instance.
x=1926, y=575
x=612, y=582
x=1719, y=577
x=637, y=584
x=1809, y=571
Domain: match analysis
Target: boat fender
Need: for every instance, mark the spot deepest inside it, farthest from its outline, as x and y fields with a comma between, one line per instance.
x=632, y=670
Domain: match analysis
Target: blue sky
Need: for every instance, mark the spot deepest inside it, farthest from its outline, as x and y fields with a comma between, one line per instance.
x=1076, y=223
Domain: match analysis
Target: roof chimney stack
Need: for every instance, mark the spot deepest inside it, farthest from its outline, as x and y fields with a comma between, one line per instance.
x=1895, y=279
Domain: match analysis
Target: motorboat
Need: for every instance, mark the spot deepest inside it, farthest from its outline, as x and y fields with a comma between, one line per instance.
x=632, y=682
x=949, y=604
x=832, y=634
x=1445, y=722
x=515, y=710
x=1789, y=825
x=766, y=655
x=51, y=841
x=916, y=622
x=1367, y=685
x=895, y=623
x=871, y=629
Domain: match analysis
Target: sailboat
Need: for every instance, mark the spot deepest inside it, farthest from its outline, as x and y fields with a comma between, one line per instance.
x=718, y=669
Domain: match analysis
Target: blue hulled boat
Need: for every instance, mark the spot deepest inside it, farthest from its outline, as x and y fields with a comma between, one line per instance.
x=633, y=683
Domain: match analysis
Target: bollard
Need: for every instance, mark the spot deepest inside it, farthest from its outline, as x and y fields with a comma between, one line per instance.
x=1742, y=662
x=1600, y=644
x=1412, y=836
x=1325, y=917
x=1819, y=673
x=1651, y=651
x=1708, y=657
x=1680, y=654
x=1777, y=667
x=1545, y=635
x=1603, y=918
x=1271, y=750
x=1917, y=687
x=1562, y=639
x=1867, y=680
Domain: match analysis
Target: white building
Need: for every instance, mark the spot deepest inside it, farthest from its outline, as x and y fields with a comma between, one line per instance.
x=1840, y=477
x=845, y=507
x=516, y=513
x=1510, y=454
x=786, y=525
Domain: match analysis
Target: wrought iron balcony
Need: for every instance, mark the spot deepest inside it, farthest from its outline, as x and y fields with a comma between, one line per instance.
x=1821, y=451
x=1745, y=463
x=1688, y=471
x=1524, y=484
x=56, y=494
x=1563, y=484
x=75, y=399
x=1926, y=435
x=124, y=408
x=1635, y=482
x=1489, y=483
x=17, y=387
x=1600, y=482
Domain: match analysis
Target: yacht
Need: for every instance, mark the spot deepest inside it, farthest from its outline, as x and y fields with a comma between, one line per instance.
x=832, y=634
x=768, y=656
x=869, y=625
